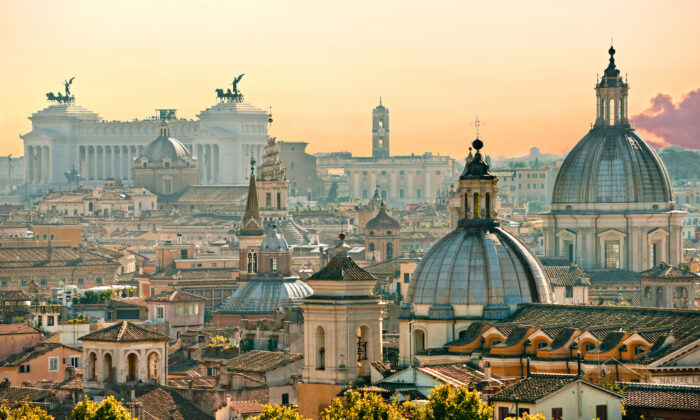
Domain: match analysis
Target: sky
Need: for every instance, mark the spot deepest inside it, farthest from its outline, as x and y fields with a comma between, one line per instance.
x=526, y=68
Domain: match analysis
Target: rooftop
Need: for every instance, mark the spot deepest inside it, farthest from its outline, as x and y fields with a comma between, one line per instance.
x=125, y=332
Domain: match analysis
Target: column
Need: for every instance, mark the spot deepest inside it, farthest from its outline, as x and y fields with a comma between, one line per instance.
x=38, y=164
x=29, y=164
x=216, y=164
x=47, y=164
x=208, y=158
x=426, y=191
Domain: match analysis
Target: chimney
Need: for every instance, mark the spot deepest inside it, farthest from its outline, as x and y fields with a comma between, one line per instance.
x=132, y=393
x=578, y=362
x=69, y=373
x=287, y=355
x=528, y=367
x=487, y=371
x=189, y=389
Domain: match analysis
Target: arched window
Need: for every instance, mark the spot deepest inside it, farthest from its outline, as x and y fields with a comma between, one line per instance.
x=477, y=213
x=541, y=345
x=389, y=251
x=589, y=347
x=320, y=348
x=418, y=341
x=659, y=297
x=132, y=361
x=680, y=297
x=371, y=247
x=466, y=205
x=153, y=366
x=92, y=367
x=107, y=368
x=252, y=262
x=640, y=349
x=647, y=293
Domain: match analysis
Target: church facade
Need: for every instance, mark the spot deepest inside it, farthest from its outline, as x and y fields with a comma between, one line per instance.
x=612, y=205
x=223, y=139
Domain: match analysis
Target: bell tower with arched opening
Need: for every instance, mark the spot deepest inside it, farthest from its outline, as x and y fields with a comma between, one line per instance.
x=380, y=131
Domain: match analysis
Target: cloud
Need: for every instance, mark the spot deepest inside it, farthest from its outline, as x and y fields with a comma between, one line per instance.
x=672, y=124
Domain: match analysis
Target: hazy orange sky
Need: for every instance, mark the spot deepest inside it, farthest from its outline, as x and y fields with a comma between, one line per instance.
x=527, y=68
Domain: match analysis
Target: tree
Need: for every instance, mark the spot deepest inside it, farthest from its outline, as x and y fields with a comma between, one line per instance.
x=279, y=412
x=354, y=405
x=107, y=409
x=448, y=402
x=333, y=192
x=24, y=412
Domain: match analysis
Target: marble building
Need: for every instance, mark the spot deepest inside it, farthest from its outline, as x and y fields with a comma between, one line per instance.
x=612, y=204
x=223, y=139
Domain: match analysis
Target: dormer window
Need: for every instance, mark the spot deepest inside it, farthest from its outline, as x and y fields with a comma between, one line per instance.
x=639, y=349
x=590, y=347
x=144, y=164
x=166, y=164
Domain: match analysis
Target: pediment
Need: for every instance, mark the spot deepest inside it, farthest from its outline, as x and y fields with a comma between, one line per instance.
x=612, y=233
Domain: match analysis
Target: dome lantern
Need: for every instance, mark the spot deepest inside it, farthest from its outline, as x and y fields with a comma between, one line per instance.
x=611, y=96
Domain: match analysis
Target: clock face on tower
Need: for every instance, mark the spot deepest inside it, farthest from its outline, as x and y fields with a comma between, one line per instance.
x=381, y=131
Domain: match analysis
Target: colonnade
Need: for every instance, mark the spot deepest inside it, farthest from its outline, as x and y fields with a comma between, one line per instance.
x=102, y=162
x=38, y=164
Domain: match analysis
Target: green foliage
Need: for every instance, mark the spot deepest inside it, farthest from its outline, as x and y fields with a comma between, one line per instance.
x=91, y=297
x=279, y=412
x=357, y=406
x=681, y=164
x=333, y=192
x=25, y=412
x=448, y=402
x=536, y=207
x=107, y=409
x=527, y=416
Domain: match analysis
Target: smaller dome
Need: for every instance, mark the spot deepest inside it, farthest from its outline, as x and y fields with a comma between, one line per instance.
x=165, y=146
x=383, y=220
x=264, y=296
x=274, y=242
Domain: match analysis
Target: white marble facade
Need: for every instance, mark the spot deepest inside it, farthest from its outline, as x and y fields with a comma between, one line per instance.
x=223, y=138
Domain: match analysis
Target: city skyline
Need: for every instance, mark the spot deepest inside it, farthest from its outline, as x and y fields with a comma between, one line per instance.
x=529, y=87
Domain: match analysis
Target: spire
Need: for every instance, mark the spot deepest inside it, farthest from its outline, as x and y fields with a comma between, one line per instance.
x=380, y=101
x=476, y=168
x=341, y=248
x=251, y=218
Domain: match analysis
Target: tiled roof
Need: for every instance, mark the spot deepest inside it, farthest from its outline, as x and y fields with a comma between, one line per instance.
x=260, y=360
x=182, y=366
x=18, y=329
x=383, y=368
x=342, y=268
x=471, y=334
x=613, y=276
x=516, y=335
x=16, y=395
x=665, y=397
x=162, y=404
x=175, y=296
x=14, y=295
x=197, y=382
x=533, y=388
x=610, y=341
x=214, y=194
x=246, y=407
x=61, y=256
x=125, y=332
x=561, y=338
x=457, y=374
x=665, y=271
x=683, y=323
x=566, y=275
x=128, y=300
x=72, y=384
x=31, y=353
x=383, y=221
x=600, y=296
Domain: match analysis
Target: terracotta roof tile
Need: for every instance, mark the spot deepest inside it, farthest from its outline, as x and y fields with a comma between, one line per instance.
x=162, y=404
x=175, y=296
x=533, y=388
x=125, y=332
x=668, y=397
x=665, y=271
x=18, y=329
x=342, y=268
x=246, y=407
x=260, y=360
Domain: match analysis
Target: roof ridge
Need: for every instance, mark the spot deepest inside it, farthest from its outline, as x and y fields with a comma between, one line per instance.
x=122, y=329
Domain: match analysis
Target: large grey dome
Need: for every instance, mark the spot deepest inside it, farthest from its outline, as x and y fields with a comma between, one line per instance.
x=478, y=267
x=612, y=164
x=265, y=295
x=165, y=146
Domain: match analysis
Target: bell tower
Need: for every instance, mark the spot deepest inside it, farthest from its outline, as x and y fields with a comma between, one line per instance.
x=611, y=96
x=380, y=131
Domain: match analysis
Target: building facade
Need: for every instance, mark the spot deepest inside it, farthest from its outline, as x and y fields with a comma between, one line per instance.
x=223, y=138
x=612, y=205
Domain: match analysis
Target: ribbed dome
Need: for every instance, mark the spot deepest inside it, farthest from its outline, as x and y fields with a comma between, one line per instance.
x=382, y=220
x=166, y=147
x=274, y=242
x=264, y=295
x=471, y=266
x=612, y=164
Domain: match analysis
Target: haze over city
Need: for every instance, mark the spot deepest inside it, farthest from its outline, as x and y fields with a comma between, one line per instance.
x=305, y=210
x=527, y=69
